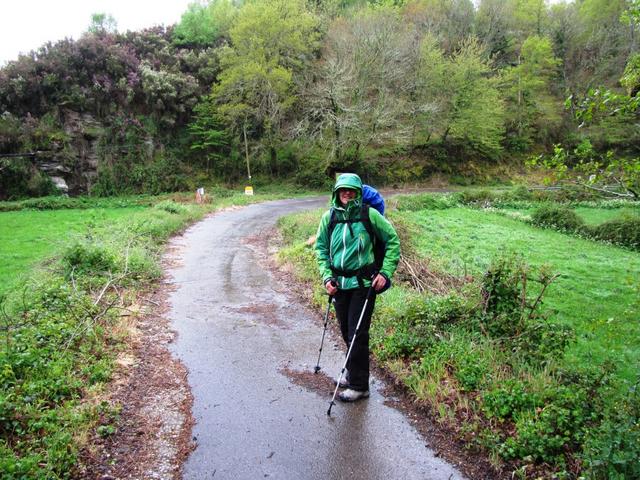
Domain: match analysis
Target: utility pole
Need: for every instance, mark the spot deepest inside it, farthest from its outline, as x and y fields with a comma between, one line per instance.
x=248, y=190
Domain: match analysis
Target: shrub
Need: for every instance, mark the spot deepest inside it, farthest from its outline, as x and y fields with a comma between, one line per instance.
x=21, y=180
x=516, y=320
x=437, y=310
x=508, y=399
x=621, y=231
x=466, y=358
x=52, y=336
x=476, y=197
x=518, y=193
x=425, y=201
x=552, y=430
x=88, y=258
x=171, y=207
x=612, y=450
x=61, y=202
x=558, y=217
x=501, y=289
x=471, y=367
x=543, y=340
x=410, y=332
x=565, y=414
x=312, y=171
x=400, y=341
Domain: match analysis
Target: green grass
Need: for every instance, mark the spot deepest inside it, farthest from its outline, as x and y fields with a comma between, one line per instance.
x=28, y=237
x=598, y=291
x=31, y=231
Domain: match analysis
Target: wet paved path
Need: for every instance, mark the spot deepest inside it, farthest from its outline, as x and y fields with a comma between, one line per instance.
x=235, y=334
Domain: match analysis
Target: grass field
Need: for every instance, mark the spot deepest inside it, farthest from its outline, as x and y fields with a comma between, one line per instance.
x=33, y=230
x=28, y=237
x=598, y=291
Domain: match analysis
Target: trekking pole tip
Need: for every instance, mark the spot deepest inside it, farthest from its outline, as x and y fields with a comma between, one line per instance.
x=316, y=369
x=330, y=405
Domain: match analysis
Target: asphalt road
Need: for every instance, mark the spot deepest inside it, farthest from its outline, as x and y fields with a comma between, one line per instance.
x=237, y=330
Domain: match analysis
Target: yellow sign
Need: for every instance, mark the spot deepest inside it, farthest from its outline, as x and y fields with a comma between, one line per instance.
x=248, y=190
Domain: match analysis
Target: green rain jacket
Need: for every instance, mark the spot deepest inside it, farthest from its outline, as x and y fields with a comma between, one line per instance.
x=351, y=248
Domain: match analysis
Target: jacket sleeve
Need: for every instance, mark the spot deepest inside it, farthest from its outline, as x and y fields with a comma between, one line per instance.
x=323, y=245
x=389, y=236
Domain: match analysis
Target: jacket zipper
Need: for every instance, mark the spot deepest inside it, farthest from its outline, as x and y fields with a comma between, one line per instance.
x=344, y=247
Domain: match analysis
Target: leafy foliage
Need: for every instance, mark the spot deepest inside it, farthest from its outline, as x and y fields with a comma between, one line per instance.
x=394, y=90
x=623, y=231
x=531, y=109
x=270, y=42
x=559, y=217
x=606, y=174
x=205, y=25
x=129, y=93
x=425, y=202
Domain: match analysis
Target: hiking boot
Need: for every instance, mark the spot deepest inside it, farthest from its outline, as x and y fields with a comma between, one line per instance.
x=350, y=395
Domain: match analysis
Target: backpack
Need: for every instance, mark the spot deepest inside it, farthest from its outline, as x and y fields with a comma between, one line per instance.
x=371, y=198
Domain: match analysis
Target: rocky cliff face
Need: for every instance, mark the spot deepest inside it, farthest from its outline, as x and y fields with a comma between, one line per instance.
x=73, y=165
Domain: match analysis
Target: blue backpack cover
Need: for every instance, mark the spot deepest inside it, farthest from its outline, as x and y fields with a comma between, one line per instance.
x=372, y=197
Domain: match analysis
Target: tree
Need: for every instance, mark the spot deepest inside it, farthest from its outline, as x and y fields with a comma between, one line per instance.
x=531, y=109
x=583, y=167
x=271, y=42
x=449, y=21
x=494, y=19
x=203, y=25
x=472, y=109
x=602, y=44
x=530, y=17
x=211, y=139
x=429, y=112
x=356, y=95
x=606, y=107
x=102, y=23
x=610, y=174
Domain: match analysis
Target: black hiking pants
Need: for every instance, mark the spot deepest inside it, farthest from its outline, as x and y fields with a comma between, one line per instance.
x=348, y=305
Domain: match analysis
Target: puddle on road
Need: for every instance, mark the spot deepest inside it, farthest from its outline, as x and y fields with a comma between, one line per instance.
x=319, y=383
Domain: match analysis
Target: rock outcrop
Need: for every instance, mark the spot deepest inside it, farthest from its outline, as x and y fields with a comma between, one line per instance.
x=72, y=165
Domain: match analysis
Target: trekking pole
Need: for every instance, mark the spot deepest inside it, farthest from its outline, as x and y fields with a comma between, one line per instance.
x=326, y=320
x=353, y=340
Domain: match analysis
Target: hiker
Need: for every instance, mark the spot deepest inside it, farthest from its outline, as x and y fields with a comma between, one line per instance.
x=345, y=253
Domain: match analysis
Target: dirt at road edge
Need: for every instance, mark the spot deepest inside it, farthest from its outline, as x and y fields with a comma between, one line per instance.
x=153, y=432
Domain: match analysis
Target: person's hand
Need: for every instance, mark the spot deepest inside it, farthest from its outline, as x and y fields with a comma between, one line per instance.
x=379, y=281
x=332, y=287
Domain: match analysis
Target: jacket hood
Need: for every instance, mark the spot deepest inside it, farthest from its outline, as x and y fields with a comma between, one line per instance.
x=347, y=180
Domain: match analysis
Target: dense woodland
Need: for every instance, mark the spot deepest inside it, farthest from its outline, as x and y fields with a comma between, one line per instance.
x=295, y=89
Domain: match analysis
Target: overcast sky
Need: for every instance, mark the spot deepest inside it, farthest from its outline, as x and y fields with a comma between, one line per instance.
x=26, y=24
